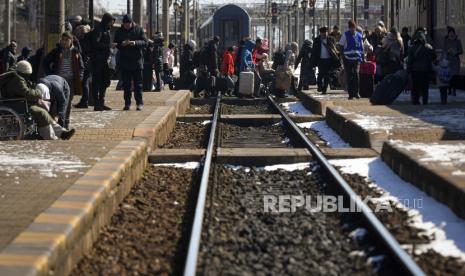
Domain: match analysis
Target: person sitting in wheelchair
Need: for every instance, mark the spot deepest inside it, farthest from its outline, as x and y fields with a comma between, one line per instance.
x=16, y=84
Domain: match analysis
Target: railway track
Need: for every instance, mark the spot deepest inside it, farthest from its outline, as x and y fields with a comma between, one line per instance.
x=216, y=223
x=390, y=246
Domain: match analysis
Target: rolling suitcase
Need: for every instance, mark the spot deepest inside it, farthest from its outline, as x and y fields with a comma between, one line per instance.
x=367, y=83
x=390, y=88
x=246, y=83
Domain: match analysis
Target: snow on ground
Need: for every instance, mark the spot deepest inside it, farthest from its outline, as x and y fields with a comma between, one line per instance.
x=445, y=154
x=332, y=139
x=19, y=158
x=90, y=119
x=295, y=108
x=187, y=165
x=428, y=214
x=286, y=167
x=434, y=97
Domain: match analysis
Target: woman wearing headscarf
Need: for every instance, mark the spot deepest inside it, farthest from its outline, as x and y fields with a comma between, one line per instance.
x=391, y=54
x=453, y=48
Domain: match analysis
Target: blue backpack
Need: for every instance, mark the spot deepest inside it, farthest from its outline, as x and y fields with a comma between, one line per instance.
x=444, y=74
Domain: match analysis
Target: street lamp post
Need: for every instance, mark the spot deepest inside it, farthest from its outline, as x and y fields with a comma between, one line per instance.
x=312, y=6
x=176, y=8
x=289, y=27
x=295, y=7
x=304, y=5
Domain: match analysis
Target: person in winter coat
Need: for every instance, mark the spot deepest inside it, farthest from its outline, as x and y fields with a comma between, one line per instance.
x=16, y=84
x=66, y=61
x=443, y=77
x=453, y=47
x=25, y=54
x=36, y=61
x=8, y=57
x=158, y=59
x=352, y=44
x=247, y=63
x=59, y=91
x=391, y=54
x=227, y=66
x=147, y=74
x=168, y=65
x=376, y=38
x=291, y=52
x=325, y=56
x=186, y=65
x=307, y=74
x=131, y=41
x=212, y=53
x=406, y=39
x=335, y=33
x=101, y=45
x=419, y=65
x=82, y=34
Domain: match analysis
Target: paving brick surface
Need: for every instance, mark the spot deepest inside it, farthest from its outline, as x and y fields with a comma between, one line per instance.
x=33, y=174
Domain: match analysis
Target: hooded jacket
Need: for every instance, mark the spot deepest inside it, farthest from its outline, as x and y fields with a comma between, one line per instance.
x=131, y=57
x=305, y=55
x=227, y=67
x=246, y=56
x=187, y=60
x=101, y=40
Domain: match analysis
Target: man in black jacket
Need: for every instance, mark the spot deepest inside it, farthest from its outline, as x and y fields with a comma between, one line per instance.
x=307, y=74
x=324, y=55
x=131, y=41
x=101, y=45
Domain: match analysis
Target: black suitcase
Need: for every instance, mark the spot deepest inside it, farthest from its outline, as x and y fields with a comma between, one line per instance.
x=390, y=88
x=367, y=83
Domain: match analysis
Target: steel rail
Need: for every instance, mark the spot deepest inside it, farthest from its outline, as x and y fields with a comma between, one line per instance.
x=408, y=264
x=196, y=233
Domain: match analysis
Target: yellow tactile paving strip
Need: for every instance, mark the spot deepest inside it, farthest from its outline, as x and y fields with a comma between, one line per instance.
x=59, y=235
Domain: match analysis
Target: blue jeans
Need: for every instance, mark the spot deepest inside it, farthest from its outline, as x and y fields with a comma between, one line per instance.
x=85, y=87
x=128, y=77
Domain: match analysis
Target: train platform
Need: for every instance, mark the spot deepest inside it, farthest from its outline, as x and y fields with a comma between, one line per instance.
x=371, y=126
x=436, y=168
x=55, y=195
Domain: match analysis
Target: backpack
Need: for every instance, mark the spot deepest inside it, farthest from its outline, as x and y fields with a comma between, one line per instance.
x=86, y=43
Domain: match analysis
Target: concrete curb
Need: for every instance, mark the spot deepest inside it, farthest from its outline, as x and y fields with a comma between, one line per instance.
x=57, y=238
x=437, y=181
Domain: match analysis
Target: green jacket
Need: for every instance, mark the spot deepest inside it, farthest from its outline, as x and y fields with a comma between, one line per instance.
x=12, y=85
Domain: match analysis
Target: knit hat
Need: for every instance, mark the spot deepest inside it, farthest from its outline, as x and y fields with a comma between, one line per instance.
x=393, y=30
x=24, y=67
x=381, y=23
x=127, y=18
x=192, y=44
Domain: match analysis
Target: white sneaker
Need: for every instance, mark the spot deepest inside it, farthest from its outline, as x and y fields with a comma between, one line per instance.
x=140, y=107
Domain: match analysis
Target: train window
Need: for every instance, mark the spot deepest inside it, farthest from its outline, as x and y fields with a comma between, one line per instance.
x=231, y=32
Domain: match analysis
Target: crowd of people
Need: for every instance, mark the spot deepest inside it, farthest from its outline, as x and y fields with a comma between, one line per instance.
x=356, y=59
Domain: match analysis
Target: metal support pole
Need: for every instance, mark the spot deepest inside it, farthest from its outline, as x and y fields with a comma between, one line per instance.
x=185, y=22
x=166, y=20
x=128, y=9
x=14, y=19
x=157, y=12
x=304, y=25
x=328, y=13
x=137, y=12
x=289, y=27
x=386, y=13
x=296, y=27
x=176, y=39
x=54, y=22
x=91, y=13
x=355, y=10
x=8, y=22
x=338, y=21
x=150, y=18
x=313, y=23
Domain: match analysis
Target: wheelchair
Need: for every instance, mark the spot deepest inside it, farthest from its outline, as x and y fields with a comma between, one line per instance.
x=16, y=122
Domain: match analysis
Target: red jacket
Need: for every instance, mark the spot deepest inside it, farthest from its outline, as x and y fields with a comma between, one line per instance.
x=227, y=67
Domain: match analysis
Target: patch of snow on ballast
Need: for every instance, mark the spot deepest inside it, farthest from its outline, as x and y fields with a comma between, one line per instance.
x=326, y=133
x=433, y=216
x=296, y=108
